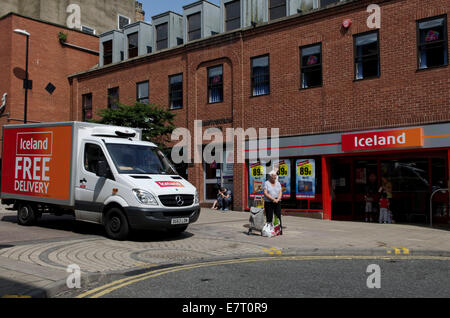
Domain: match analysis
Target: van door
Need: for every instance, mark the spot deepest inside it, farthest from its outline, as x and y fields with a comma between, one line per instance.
x=91, y=190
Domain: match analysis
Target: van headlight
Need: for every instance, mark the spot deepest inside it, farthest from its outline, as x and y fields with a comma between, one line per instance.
x=145, y=197
x=197, y=198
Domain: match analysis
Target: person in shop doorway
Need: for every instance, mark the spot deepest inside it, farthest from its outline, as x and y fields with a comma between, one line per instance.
x=386, y=187
x=224, y=199
x=384, y=209
x=370, y=198
x=216, y=205
x=272, y=198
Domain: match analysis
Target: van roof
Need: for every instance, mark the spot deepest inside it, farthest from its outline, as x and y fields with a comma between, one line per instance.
x=111, y=140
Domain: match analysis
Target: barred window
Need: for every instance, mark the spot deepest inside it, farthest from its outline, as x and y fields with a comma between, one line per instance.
x=215, y=84
x=260, y=76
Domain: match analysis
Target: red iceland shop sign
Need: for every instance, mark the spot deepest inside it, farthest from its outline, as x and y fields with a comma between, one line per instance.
x=389, y=139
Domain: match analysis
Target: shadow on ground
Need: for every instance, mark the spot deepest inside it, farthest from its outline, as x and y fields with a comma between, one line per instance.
x=12, y=289
x=68, y=223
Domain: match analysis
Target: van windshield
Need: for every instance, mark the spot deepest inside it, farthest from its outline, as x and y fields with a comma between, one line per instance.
x=136, y=159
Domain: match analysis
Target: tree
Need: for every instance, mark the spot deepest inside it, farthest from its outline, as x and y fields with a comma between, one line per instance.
x=156, y=123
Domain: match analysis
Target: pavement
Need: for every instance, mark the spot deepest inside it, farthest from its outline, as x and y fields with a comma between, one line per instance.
x=38, y=267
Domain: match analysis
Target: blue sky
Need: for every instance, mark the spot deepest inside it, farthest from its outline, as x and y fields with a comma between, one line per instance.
x=154, y=7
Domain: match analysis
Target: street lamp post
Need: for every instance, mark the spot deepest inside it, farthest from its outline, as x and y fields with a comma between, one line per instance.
x=26, y=82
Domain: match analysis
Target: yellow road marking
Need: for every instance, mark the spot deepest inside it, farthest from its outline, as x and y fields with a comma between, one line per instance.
x=15, y=296
x=272, y=251
x=108, y=288
x=398, y=250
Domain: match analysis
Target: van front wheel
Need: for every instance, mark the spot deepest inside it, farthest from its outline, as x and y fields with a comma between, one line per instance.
x=116, y=224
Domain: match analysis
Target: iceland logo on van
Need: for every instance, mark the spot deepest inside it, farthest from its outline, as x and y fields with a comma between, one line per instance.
x=169, y=184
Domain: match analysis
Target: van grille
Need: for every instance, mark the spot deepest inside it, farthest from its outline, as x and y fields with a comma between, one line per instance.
x=171, y=200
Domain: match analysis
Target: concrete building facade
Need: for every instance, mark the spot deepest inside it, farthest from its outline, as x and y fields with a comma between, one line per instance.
x=97, y=16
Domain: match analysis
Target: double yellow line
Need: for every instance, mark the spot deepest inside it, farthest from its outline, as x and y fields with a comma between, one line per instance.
x=109, y=288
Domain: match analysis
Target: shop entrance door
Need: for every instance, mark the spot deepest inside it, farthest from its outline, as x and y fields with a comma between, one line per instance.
x=342, y=206
x=408, y=180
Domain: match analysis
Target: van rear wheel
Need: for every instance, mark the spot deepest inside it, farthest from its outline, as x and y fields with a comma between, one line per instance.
x=26, y=215
x=116, y=224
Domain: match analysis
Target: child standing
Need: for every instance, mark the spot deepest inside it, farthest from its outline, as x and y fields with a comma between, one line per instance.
x=384, y=209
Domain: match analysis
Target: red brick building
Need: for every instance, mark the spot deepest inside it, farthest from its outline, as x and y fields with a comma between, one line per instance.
x=50, y=62
x=316, y=81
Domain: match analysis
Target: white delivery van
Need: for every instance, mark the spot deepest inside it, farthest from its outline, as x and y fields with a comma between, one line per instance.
x=100, y=174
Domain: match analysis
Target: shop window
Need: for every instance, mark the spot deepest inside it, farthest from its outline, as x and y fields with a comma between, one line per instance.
x=107, y=52
x=215, y=84
x=176, y=91
x=260, y=76
x=87, y=106
x=311, y=66
x=432, y=42
x=277, y=9
x=233, y=15
x=113, y=98
x=439, y=173
x=133, y=46
x=194, y=26
x=142, y=92
x=367, y=55
x=162, y=36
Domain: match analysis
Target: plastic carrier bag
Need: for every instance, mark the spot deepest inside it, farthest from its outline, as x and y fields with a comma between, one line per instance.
x=267, y=230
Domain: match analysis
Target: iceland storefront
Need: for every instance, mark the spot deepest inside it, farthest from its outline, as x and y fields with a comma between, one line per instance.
x=334, y=176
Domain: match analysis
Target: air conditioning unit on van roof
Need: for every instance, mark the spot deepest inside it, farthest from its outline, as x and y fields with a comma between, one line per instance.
x=115, y=132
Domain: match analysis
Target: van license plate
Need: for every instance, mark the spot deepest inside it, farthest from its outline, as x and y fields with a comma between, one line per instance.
x=180, y=221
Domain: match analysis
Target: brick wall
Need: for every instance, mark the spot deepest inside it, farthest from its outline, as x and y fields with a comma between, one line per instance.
x=49, y=61
x=401, y=96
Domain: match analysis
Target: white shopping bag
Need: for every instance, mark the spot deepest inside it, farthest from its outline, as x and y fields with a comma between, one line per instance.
x=267, y=230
